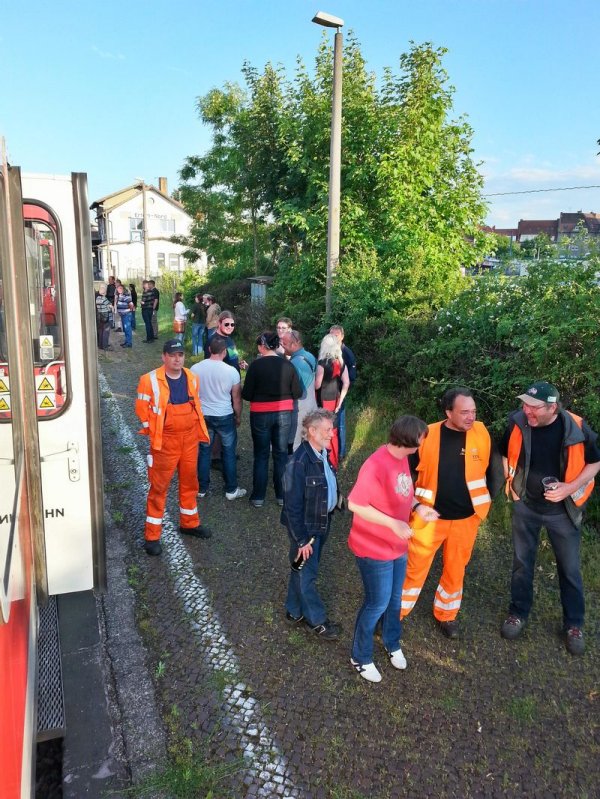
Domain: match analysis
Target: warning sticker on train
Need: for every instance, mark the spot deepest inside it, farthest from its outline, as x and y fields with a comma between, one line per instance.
x=46, y=347
x=5, y=402
x=46, y=402
x=4, y=385
x=45, y=383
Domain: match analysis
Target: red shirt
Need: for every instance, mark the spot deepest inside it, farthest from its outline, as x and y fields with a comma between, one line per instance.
x=385, y=483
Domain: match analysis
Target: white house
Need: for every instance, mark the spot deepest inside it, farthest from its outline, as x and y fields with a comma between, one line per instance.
x=122, y=218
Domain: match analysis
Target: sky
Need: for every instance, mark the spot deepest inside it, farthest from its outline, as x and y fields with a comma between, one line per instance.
x=110, y=88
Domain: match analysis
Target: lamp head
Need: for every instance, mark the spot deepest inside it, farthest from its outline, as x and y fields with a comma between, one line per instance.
x=327, y=20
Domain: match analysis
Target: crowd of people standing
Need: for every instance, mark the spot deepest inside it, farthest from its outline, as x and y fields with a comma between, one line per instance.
x=429, y=486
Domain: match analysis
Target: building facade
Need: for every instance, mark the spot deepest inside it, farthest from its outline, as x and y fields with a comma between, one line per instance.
x=135, y=228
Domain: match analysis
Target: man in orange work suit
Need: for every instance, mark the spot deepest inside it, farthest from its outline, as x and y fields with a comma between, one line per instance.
x=455, y=471
x=168, y=406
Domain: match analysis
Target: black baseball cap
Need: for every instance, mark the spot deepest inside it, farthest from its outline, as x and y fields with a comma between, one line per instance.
x=172, y=345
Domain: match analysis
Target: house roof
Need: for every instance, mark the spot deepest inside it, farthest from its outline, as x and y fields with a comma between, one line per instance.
x=111, y=201
x=569, y=221
x=533, y=227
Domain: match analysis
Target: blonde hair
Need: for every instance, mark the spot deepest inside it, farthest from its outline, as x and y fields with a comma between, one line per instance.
x=330, y=349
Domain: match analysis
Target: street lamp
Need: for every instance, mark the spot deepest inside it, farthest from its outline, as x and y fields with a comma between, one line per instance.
x=335, y=154
x=142, y=186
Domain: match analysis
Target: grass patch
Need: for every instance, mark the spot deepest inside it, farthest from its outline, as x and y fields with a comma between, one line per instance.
x=191, y=775
x=220, y=679
x=523, y=709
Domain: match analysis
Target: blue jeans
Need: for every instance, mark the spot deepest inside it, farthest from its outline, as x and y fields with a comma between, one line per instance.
x=133, y=322
x=302, y=596
x=270, y=431
x=197, y=333
x=147, y=317
x=341, y=420
x=126, y=325
x=565, y=539
x=383, y=581
x=226, y=428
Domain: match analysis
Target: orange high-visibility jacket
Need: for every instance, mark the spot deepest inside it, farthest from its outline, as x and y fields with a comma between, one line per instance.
x=478, y=446
x=573, y=446
x=152, y=400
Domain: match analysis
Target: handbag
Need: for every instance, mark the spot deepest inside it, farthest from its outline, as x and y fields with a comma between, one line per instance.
x=178, y=326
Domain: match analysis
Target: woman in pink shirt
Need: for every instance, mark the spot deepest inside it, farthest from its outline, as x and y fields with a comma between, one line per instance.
x=382, y=500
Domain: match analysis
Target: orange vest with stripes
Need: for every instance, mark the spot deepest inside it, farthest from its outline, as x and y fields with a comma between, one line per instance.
x=152, y=399
x=478, y=447
x=575, y=462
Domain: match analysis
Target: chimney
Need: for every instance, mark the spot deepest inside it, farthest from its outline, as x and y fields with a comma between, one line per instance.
x=162, y=186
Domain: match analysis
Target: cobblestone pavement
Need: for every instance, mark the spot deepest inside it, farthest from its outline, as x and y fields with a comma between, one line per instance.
x=477, y=717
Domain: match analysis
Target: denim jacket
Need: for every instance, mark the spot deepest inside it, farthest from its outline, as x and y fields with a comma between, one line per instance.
x=305, y=495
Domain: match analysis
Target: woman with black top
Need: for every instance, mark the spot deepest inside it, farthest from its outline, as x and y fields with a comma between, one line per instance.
x=133, y=292
x=271, y=386
x=332, y=383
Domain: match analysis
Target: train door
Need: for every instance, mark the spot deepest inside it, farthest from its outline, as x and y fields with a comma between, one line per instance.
x=21, y=528
x=63, y=338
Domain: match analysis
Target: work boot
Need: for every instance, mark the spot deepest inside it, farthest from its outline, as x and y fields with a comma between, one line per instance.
x=574, y=641
x=512, y=627
x=197, y=532
x=450, y=629
x=153, y=547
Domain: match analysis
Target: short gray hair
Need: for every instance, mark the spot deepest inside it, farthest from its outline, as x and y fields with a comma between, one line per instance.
x=316, y=417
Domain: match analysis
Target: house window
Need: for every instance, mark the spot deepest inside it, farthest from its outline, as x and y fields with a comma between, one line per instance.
x=167, y=226
x=160, y=257
x=174, y=262
x=136, y=229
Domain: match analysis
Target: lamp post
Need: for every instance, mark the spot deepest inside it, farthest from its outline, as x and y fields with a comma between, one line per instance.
x=145, y=231
x=335, y=154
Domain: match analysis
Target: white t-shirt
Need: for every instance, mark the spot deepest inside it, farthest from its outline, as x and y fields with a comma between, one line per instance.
x=216, y=381
x=179, y=312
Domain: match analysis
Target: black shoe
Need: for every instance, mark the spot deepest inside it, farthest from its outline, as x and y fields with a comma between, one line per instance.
x=153, y=547
x=328, y=630
x=197, y=532
x=574, y=641
x=123, y=344
x=512, y=627
x=148, y=340
x=450, y=629
x=293, y=619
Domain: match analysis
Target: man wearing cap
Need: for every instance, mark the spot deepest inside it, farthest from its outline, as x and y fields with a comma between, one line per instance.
x=550, y=460
x=168, y=406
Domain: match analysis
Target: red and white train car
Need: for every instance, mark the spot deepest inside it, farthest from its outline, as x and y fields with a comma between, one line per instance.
x=51, y=501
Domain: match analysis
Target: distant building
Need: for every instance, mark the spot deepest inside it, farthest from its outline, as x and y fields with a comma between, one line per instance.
x=124, y=216
x=556, y=229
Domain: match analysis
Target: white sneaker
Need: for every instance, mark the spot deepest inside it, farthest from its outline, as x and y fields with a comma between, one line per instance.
x=397, y=659
x=239, y=492
x=201, y=494
x=368, y=671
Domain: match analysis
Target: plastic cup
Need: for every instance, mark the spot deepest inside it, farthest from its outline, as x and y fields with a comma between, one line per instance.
x=550, y=483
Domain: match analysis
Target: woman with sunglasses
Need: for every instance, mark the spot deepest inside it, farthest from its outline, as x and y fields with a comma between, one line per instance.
x=271, y=386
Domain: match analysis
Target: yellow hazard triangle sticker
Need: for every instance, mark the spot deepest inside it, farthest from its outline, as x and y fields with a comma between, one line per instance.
x=46, y=403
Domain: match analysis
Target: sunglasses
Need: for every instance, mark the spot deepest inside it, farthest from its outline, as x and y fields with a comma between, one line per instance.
x=228, y=324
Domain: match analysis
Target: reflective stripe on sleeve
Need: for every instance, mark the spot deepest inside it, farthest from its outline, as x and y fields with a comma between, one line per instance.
x=477, y=484
x=426, y=493
x=144, y=397
x=145, y=424
x=481, y=500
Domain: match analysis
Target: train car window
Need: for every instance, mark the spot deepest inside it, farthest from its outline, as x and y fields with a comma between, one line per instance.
x=43, y=252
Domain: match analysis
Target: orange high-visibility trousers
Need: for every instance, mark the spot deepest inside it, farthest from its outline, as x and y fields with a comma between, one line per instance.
x=458, y=537
x=179, y=451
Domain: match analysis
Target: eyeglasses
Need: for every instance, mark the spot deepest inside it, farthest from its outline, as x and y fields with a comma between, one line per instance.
x=228, y=324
